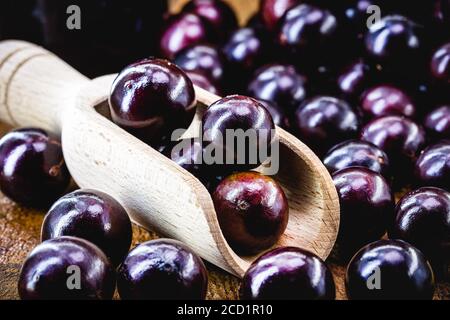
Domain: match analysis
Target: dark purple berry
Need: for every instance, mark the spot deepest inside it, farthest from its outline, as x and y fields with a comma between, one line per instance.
x=402, y=140
x=395, y=42
x=245, y=51
x=281, y=84
x=423, y=219
x=306, y=28
x=288, y=273
x=240, y=115
x=32, y=167
x=152, y=97
x=252, y=210
x=182, y=31
x=94, y=216
x=204, y=59
x=66, y=268
x=355, y=78
x=323, y=122
x=272, y=11
x=437, y=123
x=356, y=153
x=433, y=166
x=217, y=12
x=367, y=207
x=389, y=270
x=162, y=270
x=385, y=100
x=440, y=64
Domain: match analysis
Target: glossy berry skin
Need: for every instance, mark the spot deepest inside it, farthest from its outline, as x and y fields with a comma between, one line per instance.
x=437, y=123
x=440, y=64
x=442, y=14
x=94, y=216
x=32, y=168
x=162, y=269
x=217, y=12
x=384, y=100
x=306, y=29
x=279, y=83
x=355, y=78
x=278, y=115
x=252, y=210
x=182, y=31
x=272, y=11
x=423, y=219
x=367, y=206
x=401, y=138
x=200, y=80
x=188, y=154
x=238, y=113
x=150, y=98
x=203, y=59
x=46, y=273
x=404, y=271
x=395, y=42
x=288, y=273
x=322, y=122
x=356, y=153
x=245, y=50
x=433, y=166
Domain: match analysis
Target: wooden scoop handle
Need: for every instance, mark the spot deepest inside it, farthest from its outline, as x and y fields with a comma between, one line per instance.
x=35, y=85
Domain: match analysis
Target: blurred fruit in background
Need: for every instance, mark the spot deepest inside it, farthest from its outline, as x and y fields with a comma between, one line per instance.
x=113, y=33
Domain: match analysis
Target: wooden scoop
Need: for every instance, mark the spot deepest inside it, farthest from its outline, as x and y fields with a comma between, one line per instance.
x=38, y=89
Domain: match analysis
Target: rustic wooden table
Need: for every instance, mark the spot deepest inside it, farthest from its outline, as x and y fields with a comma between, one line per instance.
x=20, y=232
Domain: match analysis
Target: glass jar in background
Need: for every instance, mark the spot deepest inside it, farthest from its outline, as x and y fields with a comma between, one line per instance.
x=113, y=33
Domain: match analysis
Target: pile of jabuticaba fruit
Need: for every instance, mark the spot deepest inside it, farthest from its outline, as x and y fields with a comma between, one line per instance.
x=364, y=83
